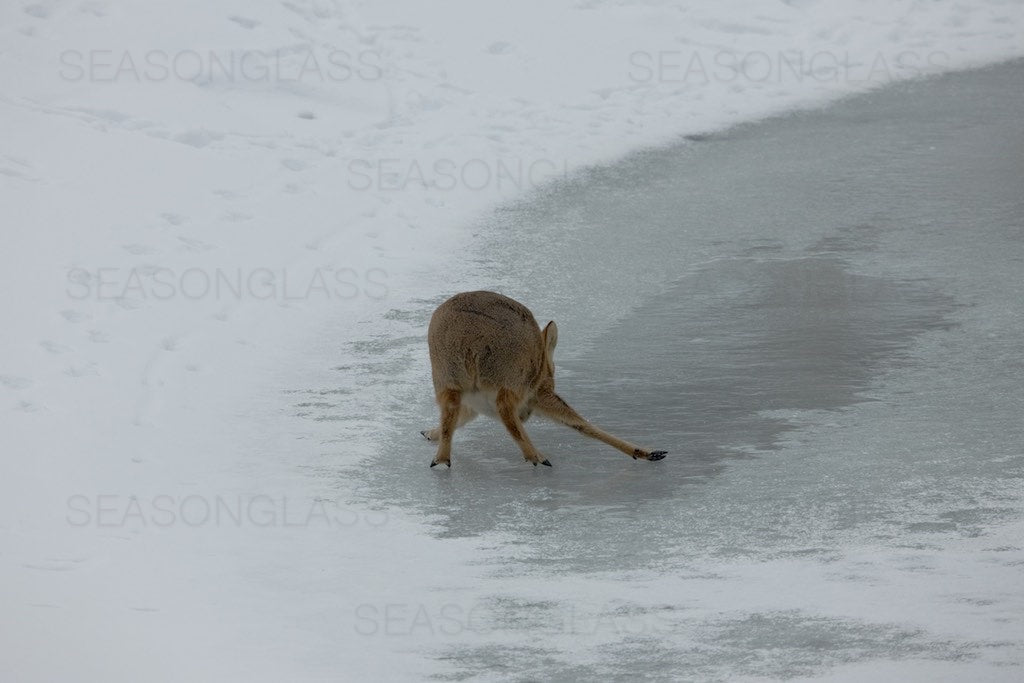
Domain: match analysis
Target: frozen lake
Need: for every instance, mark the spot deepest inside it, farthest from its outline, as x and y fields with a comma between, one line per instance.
x=228, y=224
x=820, y=318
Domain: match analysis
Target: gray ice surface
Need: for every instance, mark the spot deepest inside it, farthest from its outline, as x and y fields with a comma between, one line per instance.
x=821, y=318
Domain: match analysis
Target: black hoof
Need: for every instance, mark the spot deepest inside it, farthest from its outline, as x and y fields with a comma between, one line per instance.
x=432, y=464
x=546, y=462
x=657, y=455
x=449, y=463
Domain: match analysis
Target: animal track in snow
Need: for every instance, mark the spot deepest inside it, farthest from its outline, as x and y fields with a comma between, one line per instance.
x=173, y=218
x=244, y=22
x=56, y=564
x=14, y=381
x=73, y=316
x=16, y=168
x=81, y=370
x=194, y=245
x=198, y=138
x=54, y=347
x=38, y=11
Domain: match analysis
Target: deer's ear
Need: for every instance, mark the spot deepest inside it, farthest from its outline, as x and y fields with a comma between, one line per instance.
x=550, y=337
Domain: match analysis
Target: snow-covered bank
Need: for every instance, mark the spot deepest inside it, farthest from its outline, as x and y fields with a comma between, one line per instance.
x=200, y=198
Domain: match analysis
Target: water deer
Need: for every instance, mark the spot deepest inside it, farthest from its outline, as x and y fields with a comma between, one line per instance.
x=488, y=355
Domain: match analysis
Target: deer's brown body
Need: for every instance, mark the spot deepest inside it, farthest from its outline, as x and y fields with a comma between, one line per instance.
x=488, y=355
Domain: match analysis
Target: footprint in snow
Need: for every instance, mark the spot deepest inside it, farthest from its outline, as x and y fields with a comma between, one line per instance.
x=15, y=173
x=244, y=22
x=14, y=382
x=294, y=164
x=56, y=564
x=500, y=48
x=173, y=218
x=128, y=304
x=37, y=11
x=194, y=245
x=54, y=347
x=198, y=138
x=73, y=316
x=76, y=371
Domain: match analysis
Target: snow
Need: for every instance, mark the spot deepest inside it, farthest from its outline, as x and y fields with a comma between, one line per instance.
x=208, y=207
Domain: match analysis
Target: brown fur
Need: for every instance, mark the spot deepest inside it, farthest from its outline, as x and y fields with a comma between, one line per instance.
x=487, y=352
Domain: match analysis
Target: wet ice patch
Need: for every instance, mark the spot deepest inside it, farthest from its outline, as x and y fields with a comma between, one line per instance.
x=775, y=334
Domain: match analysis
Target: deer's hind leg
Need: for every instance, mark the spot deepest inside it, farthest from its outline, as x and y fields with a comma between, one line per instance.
x=508, y=410
x=552, y=405
x=450, y=402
